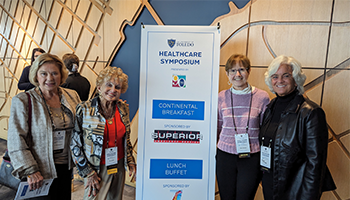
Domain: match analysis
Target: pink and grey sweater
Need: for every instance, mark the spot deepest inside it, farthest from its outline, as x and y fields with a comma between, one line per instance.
x=241, y=102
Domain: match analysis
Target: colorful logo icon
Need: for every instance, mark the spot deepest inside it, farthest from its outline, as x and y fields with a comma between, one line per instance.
x=179, y=81
x=177, y=195
x=171, y=43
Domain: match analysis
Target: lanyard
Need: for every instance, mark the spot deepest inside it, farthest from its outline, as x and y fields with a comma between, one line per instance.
x=50, y=112
x=250, y=108
x=116, y=131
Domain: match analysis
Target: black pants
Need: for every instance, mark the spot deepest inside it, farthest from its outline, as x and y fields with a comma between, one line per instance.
x=238, y=178
x=61, y=186
x=267, y=183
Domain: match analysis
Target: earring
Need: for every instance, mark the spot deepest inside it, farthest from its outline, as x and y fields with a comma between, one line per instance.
x=229, y=83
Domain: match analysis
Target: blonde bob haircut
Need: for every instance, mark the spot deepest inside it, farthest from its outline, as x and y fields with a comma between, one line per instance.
x=43, y=59
x=113, y=72
x=298, y=75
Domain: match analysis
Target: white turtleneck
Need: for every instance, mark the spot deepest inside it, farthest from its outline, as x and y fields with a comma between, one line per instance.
x=246, y=90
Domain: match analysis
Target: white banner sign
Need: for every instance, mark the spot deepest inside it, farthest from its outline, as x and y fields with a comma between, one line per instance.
x=178, y=112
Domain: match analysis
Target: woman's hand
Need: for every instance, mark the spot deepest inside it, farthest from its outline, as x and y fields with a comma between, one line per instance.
x=132, y=169
x=93, y=183
x=35, y=181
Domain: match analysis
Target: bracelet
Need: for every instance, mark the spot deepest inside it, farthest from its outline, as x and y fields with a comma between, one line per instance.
x=91, y=174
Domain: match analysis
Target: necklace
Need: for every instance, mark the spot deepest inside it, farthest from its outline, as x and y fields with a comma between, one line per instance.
x=50, y=111
x=60, y=116
x=110, y=121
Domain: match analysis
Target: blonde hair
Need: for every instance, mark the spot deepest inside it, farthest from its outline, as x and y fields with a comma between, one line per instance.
x=43, y=59
x=107, y=73
x=298, y=75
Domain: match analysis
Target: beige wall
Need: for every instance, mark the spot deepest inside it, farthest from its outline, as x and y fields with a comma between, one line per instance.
x=300, y=28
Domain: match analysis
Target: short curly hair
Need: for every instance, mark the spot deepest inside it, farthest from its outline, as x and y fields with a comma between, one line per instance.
x=43, y=59
x=298, y=74
x=107, y=73
x=69, y=59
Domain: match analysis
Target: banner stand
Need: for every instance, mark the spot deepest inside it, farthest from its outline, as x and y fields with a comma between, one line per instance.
x=179, y=70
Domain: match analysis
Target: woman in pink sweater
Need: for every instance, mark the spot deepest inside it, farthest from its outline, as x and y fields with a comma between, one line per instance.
x=240, y=112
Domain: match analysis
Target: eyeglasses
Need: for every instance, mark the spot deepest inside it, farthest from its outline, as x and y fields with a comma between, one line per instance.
x=234, y=71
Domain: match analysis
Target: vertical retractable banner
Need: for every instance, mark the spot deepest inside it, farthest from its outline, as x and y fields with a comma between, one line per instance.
x=177, y=112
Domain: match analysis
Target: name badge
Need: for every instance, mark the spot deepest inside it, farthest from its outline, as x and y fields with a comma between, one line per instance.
x=58, y=141
x=111, y=156
x=242, y=143
x=265, y=157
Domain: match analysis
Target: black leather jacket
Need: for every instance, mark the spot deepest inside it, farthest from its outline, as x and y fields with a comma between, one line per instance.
x=300, y=151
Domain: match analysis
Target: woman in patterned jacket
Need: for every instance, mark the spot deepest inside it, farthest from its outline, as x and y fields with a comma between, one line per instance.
x=101, y=145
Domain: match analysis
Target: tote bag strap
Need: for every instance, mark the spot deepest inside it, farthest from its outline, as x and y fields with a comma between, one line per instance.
x=29, y=135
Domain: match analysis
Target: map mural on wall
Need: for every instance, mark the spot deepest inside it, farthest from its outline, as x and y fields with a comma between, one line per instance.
x=162, y=13
x=315, y=32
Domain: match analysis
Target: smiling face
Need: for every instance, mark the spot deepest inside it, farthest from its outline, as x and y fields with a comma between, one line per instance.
x=282, y=81
x=238, y=76
x=49, y=77
x=110, y=90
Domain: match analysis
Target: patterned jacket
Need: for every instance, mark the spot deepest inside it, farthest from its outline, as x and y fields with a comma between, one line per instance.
x=40, y=158
x=87, y=138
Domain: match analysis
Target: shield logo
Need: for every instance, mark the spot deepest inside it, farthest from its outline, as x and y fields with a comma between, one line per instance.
x=171, y=43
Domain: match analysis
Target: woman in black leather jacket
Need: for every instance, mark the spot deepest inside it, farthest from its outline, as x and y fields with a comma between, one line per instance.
x=294, y=138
